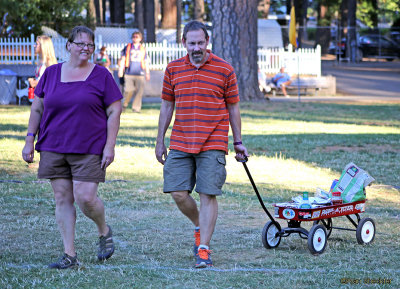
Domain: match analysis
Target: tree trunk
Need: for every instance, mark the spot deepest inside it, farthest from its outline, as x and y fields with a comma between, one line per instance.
x=199, y=10
x=168, y=19
x=98, y=4
x=323, y=34
x=344, y=14
x=103, y=11
x=91, y=14
x=139, y=15
x=351, y=39
x=234, y=38
x=178, y=21
x=150, y=21
x=157, y=12
x=118, y=11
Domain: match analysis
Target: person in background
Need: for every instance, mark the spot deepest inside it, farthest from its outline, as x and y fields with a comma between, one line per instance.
x=203, y=87
x=102, y=58
x=45, y=49
x=76, y=115
x=281, y=80
x=262, y=83
x=134, y=68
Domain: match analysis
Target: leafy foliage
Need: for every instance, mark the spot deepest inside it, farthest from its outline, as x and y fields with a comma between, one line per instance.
x=27, y=16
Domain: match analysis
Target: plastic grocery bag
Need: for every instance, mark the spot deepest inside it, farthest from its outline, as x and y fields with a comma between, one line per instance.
x=352, y=183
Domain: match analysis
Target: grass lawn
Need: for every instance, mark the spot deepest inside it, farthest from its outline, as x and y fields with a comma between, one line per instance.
x=293, y=146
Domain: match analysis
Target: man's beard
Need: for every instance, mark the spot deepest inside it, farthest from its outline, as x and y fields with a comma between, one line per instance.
x=197, y=56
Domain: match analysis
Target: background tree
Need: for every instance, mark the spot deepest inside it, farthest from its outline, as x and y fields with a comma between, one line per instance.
x=368, y=12
x=168, y=14
x=178, y=21
x=351, y=33
x=96, y=11
x=27, y=16
x=139, y=15
x=234, y=38
x=149, y=20
x=198, y=10
x=117, y=11
x=326, y=11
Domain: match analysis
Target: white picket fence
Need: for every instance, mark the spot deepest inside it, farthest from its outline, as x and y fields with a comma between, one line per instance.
x=302, y=61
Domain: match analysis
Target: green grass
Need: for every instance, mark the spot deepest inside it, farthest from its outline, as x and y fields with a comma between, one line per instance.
x=293, y=147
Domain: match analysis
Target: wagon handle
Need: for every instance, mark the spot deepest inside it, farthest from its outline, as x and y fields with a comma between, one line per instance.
x=243, y=161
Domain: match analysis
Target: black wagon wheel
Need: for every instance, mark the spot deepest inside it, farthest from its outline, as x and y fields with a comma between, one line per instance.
x=365, y=232
x=317, y=239
x=327, y=224
x=270, y=235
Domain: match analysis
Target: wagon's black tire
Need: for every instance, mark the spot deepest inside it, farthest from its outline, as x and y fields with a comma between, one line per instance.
x=365, y=232
x=317, y=239
x=327, y=224
x=270, y=235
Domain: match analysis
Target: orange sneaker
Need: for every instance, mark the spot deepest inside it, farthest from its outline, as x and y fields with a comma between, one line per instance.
x=196, y=241
x=203, y=258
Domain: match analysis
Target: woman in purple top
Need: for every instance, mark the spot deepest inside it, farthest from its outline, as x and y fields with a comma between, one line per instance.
x=76, y=113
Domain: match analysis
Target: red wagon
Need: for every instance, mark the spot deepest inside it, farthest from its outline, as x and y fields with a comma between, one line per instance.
x=321, y=217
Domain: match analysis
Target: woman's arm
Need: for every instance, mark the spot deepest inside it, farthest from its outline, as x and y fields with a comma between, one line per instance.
x=33, y=127
x=32, y=82
x=113, y=120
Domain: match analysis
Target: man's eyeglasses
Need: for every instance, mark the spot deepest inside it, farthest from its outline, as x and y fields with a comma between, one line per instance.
x=82, y=45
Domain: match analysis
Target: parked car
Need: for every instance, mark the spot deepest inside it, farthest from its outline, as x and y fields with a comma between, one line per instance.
x=374, y=45
x=371, y=45
x=395, y=36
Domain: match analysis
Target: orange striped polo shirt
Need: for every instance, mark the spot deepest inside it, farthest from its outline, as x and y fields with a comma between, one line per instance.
x=200, y=95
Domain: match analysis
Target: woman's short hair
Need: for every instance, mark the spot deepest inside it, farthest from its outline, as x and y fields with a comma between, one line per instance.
x=194, y=25
x=78, y=30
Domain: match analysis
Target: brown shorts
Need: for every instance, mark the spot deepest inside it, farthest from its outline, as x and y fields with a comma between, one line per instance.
x=79, y=167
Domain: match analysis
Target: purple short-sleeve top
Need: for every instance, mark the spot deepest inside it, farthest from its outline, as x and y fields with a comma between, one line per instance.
x=74, y=117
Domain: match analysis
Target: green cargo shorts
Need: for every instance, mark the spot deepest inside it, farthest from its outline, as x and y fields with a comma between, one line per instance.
x=206, y=170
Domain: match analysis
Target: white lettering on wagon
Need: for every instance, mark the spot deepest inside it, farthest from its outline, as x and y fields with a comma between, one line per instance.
x=339, y=210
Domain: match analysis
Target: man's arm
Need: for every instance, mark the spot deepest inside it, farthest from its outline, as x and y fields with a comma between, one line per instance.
x=166, y=112
x=236, y=125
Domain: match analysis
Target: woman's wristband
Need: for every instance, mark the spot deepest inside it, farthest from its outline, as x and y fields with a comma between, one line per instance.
x=30, y=134
x=237, y=143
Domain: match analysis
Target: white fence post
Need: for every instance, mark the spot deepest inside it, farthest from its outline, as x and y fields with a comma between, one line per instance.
x=165, y=52
x=33, y=48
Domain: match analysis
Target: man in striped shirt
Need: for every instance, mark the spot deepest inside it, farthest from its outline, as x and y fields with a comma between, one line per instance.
x=204, y=89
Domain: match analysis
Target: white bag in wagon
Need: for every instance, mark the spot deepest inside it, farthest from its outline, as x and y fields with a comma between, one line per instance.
x=352, y=183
